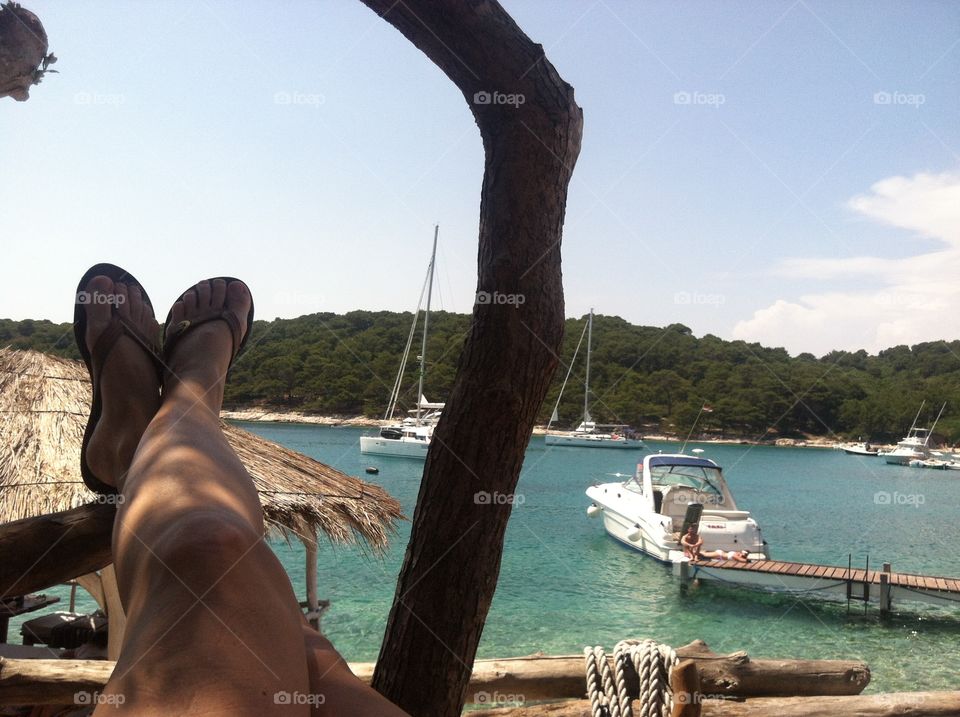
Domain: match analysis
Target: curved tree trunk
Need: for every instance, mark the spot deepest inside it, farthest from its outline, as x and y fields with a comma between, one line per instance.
x=531, y=129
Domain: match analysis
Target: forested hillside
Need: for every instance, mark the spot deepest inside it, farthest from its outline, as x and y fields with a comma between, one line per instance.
x=653, y=378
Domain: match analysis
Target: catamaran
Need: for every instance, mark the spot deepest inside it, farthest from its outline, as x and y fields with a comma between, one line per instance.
x=410, y=437
x=589, y=434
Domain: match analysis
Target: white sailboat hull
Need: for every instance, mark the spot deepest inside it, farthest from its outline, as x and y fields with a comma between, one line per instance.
x=591, y=441
x=396, y=447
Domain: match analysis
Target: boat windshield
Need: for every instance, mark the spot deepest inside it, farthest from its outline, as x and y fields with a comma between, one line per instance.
x=699, y=477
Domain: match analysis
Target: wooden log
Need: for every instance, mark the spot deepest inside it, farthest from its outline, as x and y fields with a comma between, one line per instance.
x=894, y=704
x=50, y=682
x=685, y=685
x=539, y=677
x=36, y=553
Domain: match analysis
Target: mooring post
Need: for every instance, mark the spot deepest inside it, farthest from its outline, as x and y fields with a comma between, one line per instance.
x=885, y=591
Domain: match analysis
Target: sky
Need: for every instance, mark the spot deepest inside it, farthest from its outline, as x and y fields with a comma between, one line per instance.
x=779, y=172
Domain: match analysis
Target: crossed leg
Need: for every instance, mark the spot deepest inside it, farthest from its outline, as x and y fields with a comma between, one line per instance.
x=213, y=625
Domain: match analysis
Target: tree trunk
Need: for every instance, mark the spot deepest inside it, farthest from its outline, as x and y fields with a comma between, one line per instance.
x=531, y=129
x=36, y=553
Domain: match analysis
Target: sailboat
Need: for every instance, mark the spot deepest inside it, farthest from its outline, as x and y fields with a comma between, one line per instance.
x=410, y=438
x=589, y=434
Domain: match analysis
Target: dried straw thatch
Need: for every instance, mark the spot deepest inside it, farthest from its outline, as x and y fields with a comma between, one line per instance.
x=44, y=403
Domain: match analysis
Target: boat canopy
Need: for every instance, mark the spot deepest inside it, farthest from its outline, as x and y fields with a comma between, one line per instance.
x=681, y=461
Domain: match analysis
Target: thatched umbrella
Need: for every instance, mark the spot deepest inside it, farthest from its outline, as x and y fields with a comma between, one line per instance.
x=44, y=403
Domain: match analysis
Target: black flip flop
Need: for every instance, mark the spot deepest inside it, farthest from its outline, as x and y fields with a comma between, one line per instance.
x=173, y=333
x=101, y=349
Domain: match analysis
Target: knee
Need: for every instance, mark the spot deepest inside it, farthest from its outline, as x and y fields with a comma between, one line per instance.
x=205, y=542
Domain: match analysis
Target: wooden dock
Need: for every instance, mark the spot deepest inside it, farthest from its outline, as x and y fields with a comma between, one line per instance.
x=862, y=584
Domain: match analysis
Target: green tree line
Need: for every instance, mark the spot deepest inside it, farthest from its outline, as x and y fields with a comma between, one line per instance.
x=655, y=379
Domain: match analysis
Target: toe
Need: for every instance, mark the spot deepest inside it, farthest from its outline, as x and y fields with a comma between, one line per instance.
x=239, y=301
x=190, y=302
x=204, y=291
x=96, y=295
x=218, y=293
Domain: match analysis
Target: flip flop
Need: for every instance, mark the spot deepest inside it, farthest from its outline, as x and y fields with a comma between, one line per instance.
x=173, y=333
x=118, y=326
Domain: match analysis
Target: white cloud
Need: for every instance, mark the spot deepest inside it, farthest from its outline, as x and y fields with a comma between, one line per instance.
x=919, y=296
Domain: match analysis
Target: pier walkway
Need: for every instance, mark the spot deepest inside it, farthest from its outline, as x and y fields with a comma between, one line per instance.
x=879, y=586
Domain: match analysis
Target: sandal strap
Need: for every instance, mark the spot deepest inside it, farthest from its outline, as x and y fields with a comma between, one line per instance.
x=176, y=332
x=108, y=339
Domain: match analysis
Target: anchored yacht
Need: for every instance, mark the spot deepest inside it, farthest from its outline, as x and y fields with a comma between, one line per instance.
x=651, y=510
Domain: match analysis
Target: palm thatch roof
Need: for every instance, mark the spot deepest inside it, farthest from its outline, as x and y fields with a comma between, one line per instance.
x=44, y=404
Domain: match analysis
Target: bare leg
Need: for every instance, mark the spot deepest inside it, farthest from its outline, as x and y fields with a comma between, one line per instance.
x=213, y=626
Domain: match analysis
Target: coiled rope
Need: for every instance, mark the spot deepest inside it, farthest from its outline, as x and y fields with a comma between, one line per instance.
x=645, y=662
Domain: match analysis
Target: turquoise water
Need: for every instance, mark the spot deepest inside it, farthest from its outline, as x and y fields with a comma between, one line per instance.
x=565, y=584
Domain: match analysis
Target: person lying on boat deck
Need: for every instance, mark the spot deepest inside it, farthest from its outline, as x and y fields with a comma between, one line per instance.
x=741, y=555
x=692, y=541
x=213, y=625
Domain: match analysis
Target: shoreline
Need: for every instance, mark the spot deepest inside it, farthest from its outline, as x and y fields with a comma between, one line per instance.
x=263, y=415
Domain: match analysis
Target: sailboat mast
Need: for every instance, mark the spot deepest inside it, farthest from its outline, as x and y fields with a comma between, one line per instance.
x=586, y=392
x=930, y=432
x=426, y=320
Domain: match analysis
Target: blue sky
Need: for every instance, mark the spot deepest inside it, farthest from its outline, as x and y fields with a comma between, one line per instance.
x=781, y=172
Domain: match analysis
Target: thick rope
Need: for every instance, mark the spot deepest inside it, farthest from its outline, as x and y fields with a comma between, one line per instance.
x=646, y=661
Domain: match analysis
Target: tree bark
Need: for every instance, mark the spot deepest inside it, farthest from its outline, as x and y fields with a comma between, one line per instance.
x=531, y=129
x=36, y=553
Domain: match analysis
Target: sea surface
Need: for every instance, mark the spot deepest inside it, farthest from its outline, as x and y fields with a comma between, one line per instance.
x=564, y=584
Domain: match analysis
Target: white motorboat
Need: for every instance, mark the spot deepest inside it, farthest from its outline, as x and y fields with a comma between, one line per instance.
x=589, y=434
x=914, y=446
x=409, y=438
x=650, y=511
x=860, y=449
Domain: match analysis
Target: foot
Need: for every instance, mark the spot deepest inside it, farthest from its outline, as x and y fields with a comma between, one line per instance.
x=201, y=357
x=129, y=385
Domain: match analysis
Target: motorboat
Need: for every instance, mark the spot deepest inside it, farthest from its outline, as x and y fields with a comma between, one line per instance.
x=410, y=437
x=914, y=446
x=860, y=449
x=652, y=509
x=589, y=434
